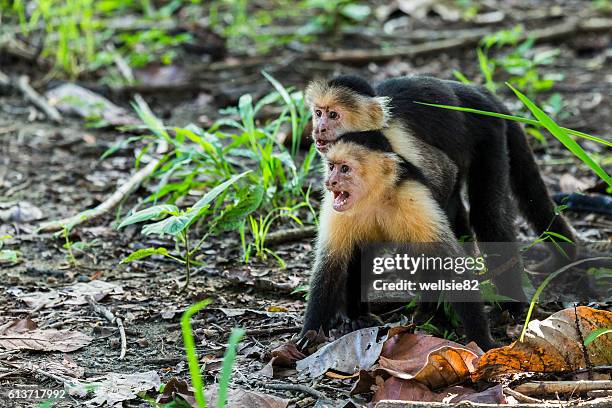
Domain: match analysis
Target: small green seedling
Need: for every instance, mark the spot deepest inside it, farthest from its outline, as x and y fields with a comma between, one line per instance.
x=176, y=222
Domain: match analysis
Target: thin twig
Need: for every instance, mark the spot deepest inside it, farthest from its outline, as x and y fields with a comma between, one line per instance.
x=521, y=397
x=295, y=387
x=562, y=387
x=110, y=203
x=23, y=85
x=108, y=315
x=273, y=331
x=585, y=353
x=598, y=403
x=290, y=235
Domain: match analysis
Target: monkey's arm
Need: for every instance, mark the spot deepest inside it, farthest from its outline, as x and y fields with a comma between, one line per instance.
x=327, y=296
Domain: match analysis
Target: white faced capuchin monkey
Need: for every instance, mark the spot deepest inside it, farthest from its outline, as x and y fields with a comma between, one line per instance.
x=490, y=155
x=375, y=195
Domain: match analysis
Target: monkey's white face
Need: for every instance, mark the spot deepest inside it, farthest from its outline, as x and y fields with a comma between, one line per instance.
x=345, y=184
x=327, y=126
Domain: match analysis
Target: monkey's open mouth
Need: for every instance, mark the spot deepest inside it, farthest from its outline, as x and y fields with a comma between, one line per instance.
x=341, y=200
x=322, y=145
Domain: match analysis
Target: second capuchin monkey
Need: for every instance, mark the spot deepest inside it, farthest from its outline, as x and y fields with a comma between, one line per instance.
x=488, y=154
x=374, y=195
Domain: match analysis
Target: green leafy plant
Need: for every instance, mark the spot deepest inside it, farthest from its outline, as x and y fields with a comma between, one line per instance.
x=274, y=185
x=192, y=358
x=77, y=32
x=71, y=246
x=259, y=231
x=170, y=220
x=247, y=27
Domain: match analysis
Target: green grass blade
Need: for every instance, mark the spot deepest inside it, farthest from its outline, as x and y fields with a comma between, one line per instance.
x=295, y=138
x=516, y=119
x=228, y=364
x=214, y=192
x=545, y=282
x=595, y=334
x=190, y=349
x=563, y=137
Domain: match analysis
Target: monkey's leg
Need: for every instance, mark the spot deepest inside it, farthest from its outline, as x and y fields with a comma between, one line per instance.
x=492, y=218
x=327, y=296
x=458, y=215
x=357, y=309
x=475, y=323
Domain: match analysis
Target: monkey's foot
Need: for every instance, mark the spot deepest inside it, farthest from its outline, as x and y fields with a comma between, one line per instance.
x=362, y=322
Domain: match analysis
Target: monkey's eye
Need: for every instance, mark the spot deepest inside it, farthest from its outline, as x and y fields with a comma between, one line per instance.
x=331, y=167
x=344, y=168
x=318, y=113
x=333, y=115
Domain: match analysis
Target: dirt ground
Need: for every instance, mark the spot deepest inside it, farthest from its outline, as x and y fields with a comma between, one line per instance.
x=57, y=169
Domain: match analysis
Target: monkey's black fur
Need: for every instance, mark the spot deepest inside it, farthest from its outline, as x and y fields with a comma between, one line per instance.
x=336, y=285
x=492, y=156
x=354, y=83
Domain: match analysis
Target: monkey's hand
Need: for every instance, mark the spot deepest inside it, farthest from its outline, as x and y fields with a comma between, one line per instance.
x=368, y=320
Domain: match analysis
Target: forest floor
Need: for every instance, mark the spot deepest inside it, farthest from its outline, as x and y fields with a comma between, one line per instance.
x=56, y=169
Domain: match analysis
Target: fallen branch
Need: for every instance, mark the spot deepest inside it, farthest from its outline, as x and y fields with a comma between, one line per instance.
x=122, y=192
x=562, y=387
x=562, y=30
x=598, y=403
x=110, y=203
x=290, y=235
x=521, y=397
x=108, y=315
x=23, y=85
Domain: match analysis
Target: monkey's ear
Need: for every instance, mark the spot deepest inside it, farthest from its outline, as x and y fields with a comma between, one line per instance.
x=380, y=111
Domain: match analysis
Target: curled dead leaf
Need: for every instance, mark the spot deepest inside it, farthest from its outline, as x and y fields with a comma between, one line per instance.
x=552, y=345
x=411, y=390
x=350, y=353
x=427, y=359
x=24, y=335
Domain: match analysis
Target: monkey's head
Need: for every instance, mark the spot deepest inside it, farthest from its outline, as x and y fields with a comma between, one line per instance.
x=341, y=105
x=361, y=168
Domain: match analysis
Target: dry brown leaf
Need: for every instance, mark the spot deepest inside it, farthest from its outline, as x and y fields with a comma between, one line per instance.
x=45, y=340
x=350, y=353
x=177, y=387
x=411, y=390
x=40, y=300
x=97, y=289
x=552, y=345
x=430, y=360
x=286, y=355
x=19, y=212
x=240, y=398
x=18, y=326
x=123, y=387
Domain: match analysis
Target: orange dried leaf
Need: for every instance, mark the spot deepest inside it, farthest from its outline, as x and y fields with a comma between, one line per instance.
x=429, y=360
x=552, y=345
